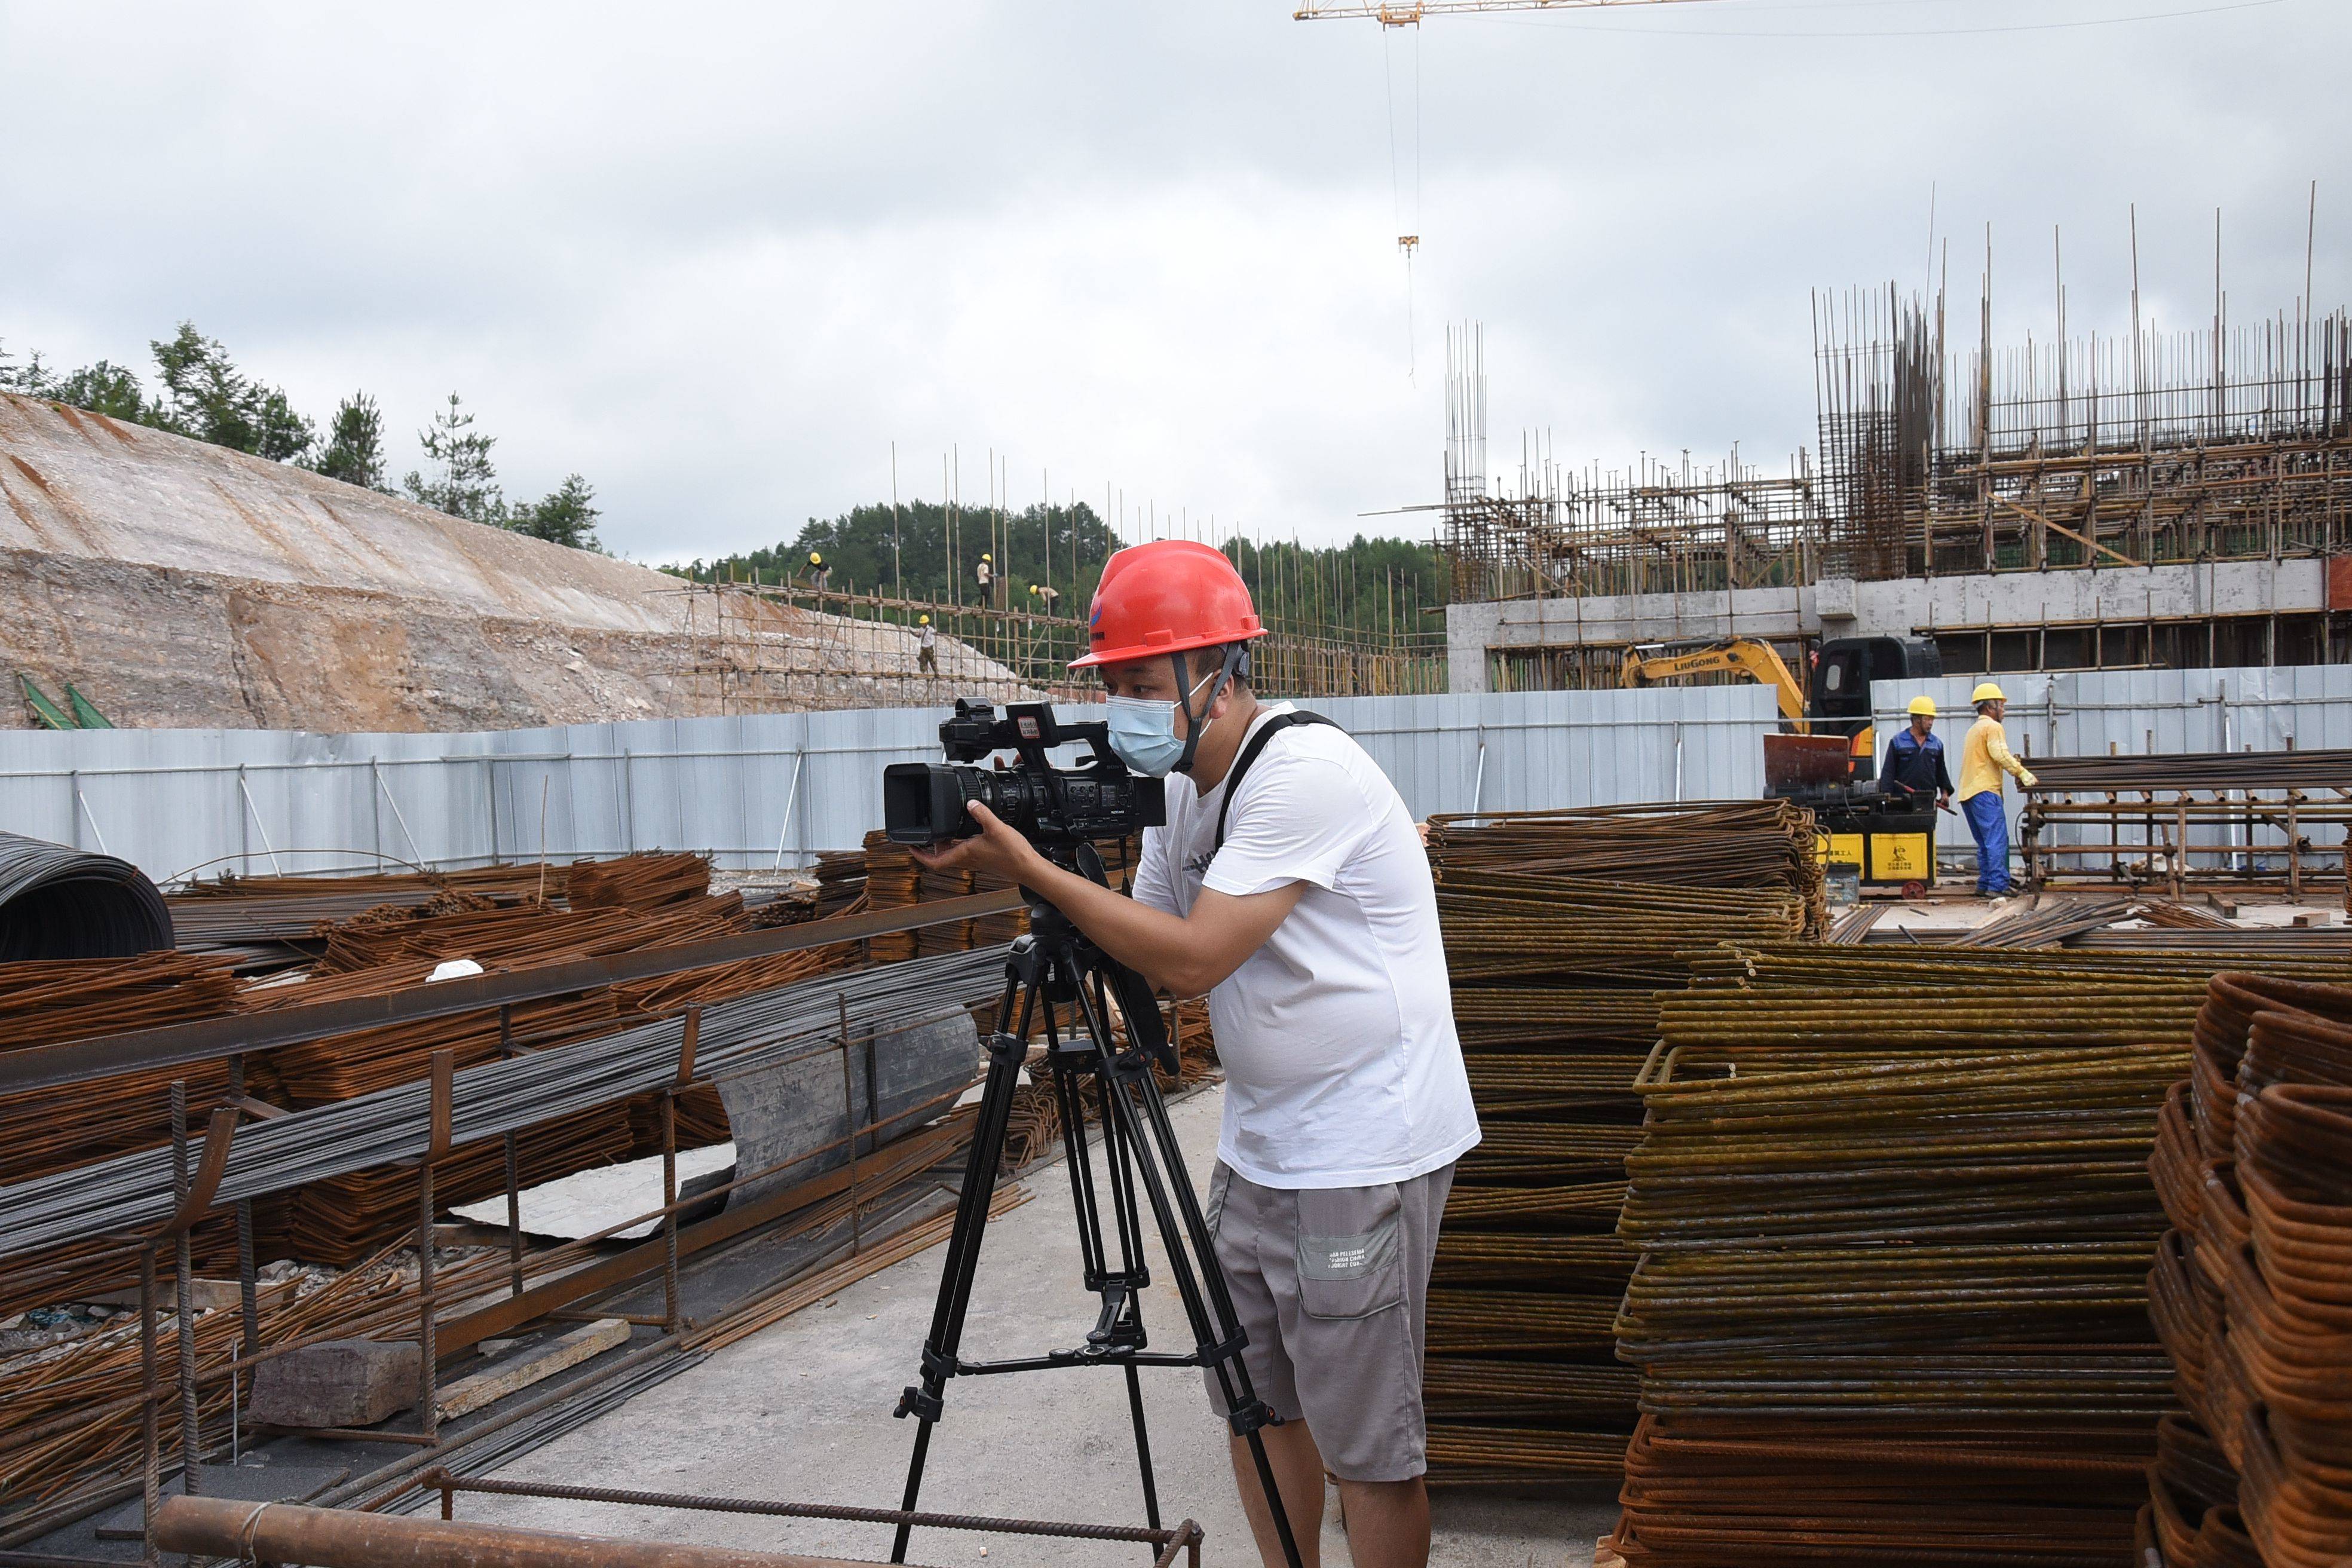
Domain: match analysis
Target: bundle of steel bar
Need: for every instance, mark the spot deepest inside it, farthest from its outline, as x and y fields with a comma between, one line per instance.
x=1766, y=1493
x=134, y=1191
x=75, y=1426
x=2193, y=771
x=1555, y=978
x=2255, y=1166
x=1709, y=844
x=2047, y=922
x=2263, y=945
x=238, y=910
x=2267, y=819
x=47, y=1001
x=1894, y=1218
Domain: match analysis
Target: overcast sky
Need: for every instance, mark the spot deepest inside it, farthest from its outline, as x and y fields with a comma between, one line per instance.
x=719, y=258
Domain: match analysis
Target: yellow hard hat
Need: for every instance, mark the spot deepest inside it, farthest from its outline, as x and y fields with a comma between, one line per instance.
x=1987, y=691
x=815, y=559
x=1924, y=705
x=922, y=620
x=984, y=555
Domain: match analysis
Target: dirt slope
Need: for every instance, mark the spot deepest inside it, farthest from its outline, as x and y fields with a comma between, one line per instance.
x=178, y=584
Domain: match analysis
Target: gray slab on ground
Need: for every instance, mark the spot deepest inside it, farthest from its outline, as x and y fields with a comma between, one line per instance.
x=783, y=1111
x=801, y=1413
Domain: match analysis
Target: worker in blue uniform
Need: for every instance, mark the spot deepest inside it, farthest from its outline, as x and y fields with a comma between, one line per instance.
x=1914, y=758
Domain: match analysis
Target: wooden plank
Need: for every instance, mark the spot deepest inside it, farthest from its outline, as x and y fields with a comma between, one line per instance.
x=2060, y=527
x=471, y=1393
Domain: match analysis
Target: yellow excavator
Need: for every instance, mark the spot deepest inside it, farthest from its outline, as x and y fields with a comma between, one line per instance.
x=1760, y=661
x=1827, y=758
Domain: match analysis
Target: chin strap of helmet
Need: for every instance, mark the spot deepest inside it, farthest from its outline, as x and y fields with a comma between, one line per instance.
x=1237, y=662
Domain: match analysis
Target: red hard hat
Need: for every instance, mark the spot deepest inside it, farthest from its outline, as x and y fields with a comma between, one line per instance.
x=1165, y=597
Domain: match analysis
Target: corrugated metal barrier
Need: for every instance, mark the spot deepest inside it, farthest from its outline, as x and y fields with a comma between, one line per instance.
x=2077, y=713
x=764, y=790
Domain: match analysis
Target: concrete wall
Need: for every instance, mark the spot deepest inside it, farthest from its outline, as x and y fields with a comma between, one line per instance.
x=764, y=790
x=1901, y=607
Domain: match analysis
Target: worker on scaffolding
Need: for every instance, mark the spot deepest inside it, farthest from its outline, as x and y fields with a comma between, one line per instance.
x=926, y=646
x=986, y=572
x=820, y=576
x=1290, y=885
x=1914, y=758
x=1984, y=757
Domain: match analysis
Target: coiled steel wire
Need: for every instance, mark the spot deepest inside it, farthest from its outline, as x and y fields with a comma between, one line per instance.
x=58, y=902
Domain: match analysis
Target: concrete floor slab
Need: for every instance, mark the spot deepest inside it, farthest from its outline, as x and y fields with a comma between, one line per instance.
x=801, y=1413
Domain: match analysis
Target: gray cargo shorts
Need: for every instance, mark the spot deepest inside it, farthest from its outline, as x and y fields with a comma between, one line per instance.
x=1331, y=1284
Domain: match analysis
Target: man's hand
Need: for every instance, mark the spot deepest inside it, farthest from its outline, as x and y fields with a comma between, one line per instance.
x=1183, y=955
x=995, y=850
x=1943, y=803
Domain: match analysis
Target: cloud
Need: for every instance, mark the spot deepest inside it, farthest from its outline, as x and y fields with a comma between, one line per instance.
x=719, y=259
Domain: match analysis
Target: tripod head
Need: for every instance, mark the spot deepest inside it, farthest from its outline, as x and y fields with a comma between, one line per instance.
x=1055, y=958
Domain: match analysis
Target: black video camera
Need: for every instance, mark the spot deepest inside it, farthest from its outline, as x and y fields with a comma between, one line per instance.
x=1053, y=809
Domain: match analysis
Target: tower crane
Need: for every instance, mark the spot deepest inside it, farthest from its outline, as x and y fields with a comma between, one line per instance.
x=1408, y=13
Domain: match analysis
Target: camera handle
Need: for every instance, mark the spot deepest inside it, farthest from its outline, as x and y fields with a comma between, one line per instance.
x=1056, y=964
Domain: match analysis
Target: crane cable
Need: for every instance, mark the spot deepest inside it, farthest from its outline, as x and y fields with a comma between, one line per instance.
x=1408, y=239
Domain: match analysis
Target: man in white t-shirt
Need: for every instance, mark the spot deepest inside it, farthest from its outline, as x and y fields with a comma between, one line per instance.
x=1300, y=900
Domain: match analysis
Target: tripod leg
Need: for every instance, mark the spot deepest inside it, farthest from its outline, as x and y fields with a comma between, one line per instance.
x=1005, y=1052
x=1184, y=1232
x=1142, y=1449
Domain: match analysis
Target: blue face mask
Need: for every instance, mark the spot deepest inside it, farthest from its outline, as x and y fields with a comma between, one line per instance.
x=1143, y=733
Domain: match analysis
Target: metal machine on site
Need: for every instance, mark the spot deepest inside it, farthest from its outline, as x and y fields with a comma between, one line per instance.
x=1827, y=755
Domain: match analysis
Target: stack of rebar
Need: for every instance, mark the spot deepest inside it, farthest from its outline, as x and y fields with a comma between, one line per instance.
x=46, y=1002
x=1894, y=1221
x=2254, y=1164
x=1556, y=979
x=1706, y=844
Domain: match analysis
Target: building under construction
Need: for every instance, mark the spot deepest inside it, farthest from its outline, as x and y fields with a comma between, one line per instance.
x=2169, y=500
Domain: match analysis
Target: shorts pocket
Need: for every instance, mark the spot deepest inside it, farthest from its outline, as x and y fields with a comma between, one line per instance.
x=1220, y=1179
x=1351, y=1254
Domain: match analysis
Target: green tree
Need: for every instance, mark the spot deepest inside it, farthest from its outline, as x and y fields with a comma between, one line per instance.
x=207, y=398
x=465, y=482
x=566, y=515
x=32, y=378
x=354, y=449
x=105, y=388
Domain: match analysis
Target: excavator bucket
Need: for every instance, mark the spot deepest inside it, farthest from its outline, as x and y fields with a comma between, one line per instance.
x=1794, y=762
x=52, y=716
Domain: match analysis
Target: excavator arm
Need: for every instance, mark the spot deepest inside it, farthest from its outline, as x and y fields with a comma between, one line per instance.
x=1741, y=656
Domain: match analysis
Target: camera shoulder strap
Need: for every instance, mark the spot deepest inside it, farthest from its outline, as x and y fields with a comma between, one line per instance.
x=1266, y=731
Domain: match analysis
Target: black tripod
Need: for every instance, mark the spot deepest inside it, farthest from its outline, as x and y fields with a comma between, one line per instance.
x=1056, y=963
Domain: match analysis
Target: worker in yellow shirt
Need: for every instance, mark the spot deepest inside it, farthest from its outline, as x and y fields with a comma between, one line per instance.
x=1984, y=757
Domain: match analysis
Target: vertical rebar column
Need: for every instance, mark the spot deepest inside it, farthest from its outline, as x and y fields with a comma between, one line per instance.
x=183, y=1289
x=428, y=1393
x=849, y=1126
x=151, y=1439
x=247, y=1292
x=673, y=1319
x=514, y=1166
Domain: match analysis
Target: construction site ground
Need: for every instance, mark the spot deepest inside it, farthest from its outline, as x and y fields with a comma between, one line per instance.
x=801, y=1413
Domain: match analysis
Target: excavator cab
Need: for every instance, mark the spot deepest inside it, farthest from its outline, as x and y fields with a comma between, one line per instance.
x=1838, y=702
